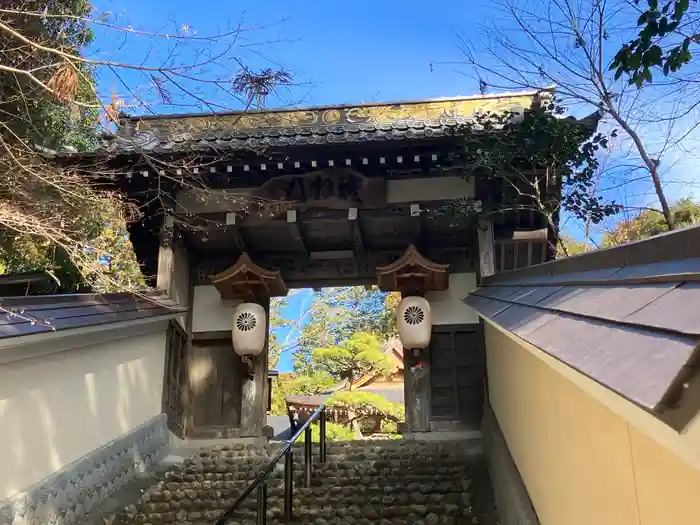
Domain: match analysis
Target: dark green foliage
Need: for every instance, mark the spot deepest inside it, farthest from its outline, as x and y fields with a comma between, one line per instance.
x=342, y=342
x=53, y=218
x=358, y=355
x=546, y=163
x=337, y=313
x=663, y=42
x=368, y=403
x=30, y=111
x=291, y=384
x=686, y=212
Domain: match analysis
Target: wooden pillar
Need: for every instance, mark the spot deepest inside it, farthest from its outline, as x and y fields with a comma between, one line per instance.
x=254, y=395
x=166, y=257
x=487, y=257
x=246, y=281
x=414, y=275
x=416, y=384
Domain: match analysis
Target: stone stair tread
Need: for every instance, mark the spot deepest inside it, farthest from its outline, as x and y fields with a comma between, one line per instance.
x=385, y=482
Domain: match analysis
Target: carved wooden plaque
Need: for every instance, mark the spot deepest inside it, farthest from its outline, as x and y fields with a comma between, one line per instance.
x=337, y=188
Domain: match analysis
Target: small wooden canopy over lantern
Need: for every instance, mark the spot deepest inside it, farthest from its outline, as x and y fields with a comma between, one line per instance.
x=413, y=274
x=248, y=281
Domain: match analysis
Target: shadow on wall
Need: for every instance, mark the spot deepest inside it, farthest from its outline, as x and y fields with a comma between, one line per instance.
x=57, y=408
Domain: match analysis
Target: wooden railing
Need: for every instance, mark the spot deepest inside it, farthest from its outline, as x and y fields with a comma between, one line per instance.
x=260, y=482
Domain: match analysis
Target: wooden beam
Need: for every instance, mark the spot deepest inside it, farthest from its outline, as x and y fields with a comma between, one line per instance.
x=318, y=214
x=254, y=398
x=356, y=232
x=299, y=271
x=417, y=389
x=232, y=223
x=166, y=262
x=415, y=211
x=295, y=231
x=332, y=255
x=487, y=255
x=239, y=241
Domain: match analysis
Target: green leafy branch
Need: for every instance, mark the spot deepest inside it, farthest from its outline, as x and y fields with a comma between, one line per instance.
x=545, y=162
x=647, y=51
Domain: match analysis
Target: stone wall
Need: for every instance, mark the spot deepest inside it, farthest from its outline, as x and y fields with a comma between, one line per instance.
x=69, y=494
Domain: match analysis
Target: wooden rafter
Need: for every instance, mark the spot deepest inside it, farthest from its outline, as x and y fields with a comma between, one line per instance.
x=246, y=280
x=412, y=273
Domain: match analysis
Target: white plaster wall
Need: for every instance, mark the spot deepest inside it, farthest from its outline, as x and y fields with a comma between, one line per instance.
x=209, y=311
x=57, y=408
x=447, y=306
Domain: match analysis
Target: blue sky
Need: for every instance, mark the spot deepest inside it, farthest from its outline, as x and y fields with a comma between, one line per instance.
x=351, y=52
x=382, y=50
x=297, y=304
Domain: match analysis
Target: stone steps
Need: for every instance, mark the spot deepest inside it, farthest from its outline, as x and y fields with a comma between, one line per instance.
x=191, y=474
x=390, y=482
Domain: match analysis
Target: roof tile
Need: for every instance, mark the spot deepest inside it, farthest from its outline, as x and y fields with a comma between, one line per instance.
x=37, y=314
x=678, y=310
x=627, y=317
x=523, y=320
x=611, y=302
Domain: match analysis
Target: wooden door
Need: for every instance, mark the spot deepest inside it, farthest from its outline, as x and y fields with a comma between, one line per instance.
x=457, y=373
x=175, y=378
x=216, y=375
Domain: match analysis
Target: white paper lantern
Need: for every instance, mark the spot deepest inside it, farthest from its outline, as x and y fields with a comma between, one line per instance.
x=414, y=322
x=249, y=329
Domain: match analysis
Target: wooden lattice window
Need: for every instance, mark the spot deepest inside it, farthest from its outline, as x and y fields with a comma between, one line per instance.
x=175, y=379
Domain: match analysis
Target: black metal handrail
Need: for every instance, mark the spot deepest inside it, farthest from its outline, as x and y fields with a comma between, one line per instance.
x=261, y=484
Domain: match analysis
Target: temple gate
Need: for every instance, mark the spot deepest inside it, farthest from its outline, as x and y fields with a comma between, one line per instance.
x=260, y=202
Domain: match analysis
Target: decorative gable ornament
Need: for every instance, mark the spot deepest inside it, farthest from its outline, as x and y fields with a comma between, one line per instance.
x=252, y=284
x=247, y=281
x=413, y=274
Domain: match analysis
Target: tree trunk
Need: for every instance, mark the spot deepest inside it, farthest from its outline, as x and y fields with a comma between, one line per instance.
x=650, y=163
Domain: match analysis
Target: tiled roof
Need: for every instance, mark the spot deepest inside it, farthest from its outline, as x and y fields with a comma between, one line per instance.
x=252, y=130
x=395, y=394
x=20, y=316
x=631, y=325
